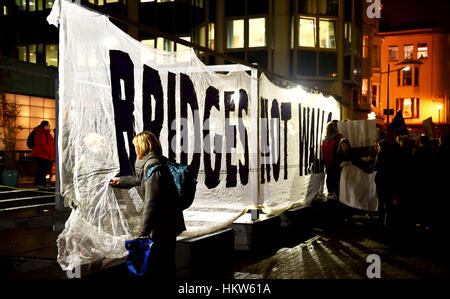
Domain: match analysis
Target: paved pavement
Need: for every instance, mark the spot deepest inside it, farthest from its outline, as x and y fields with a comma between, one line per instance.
x=340, y=252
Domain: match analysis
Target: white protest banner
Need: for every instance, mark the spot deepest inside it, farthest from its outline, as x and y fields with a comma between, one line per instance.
x=112, y=87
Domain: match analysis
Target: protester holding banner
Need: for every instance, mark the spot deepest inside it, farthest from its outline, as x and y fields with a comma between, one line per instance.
x=329, y=148
x=161, y=220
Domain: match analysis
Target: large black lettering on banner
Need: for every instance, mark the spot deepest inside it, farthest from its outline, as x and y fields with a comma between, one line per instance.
x=189, y=97
x=151, y=86
x=212, y=176
x=230, y=136
x=286, y=115
x=122, y=69
x=243, y=106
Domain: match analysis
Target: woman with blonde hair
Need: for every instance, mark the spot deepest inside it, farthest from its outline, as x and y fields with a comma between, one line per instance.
x=162, y=219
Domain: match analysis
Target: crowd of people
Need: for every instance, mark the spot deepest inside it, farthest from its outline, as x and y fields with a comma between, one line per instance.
x=411, y=177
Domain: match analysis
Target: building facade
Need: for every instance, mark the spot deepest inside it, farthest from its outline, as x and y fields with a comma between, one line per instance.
x=419, y=63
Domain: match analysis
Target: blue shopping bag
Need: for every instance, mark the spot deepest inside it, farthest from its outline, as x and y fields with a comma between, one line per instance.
x=138, y=255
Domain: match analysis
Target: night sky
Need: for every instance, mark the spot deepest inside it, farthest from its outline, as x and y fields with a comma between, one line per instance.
x=410, y=14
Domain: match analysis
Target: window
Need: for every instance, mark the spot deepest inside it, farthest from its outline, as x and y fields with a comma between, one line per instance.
x=416, y=76
x=365, y=46
x=235, y=34
x=257, y=32
x=22, y=53
x=97, y=2
x=365, y=87
x=211, y=38
x=32, y=53
x=51, y=55
x=40, y=5
x=22, y=4
x=393, y=52
x=328, y=64
x=5, y=10
x=375, y=56
x=307, y=32
x=422, y=51
x=49, y=3
x=148, y=42
x=145, y=1
x=409, y=107
x=398, y=77
x=374, y=95
x=348, y=38
x=182, y=48
x=327, y=34
x=408, y=51
x=307, y=7
x=164, y=44
x=319, y=7
x=407, y=77
x=306, y=63
x=31, y=5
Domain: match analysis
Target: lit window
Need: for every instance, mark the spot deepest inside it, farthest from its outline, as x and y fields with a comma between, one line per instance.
x=164, y=0
x=365, y=87
x=32, y=53
x=257, y=32
x=5, y=10
x=307, y=32
x=409, y=107
x=327, y=34
x=164, y=44
x=182, y=48
x=144, y=1
x=22, y=4
x=49, y=3
x=407, y=77
x=112, y=1
x=148, y=42
x=211, y=34
x=408, y=51
x=393, y=53
x=348, y=38
x=422, y=51
x=22, y=53
x=51, y=55
x=202, y=36
x=365, y=46
x=235, y=34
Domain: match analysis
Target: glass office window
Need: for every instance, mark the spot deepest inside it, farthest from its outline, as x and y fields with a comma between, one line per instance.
x=182, y=48
x=327, y=34
x=408, y=51
x=22, y=53
x=49, y=3
x=422, y=51
x=235, y=34
x=257, y=32
x=32, y=53
x=31, y=5
x=51, y=55
x=211, y=34
x=164, y=44
x=348, y=38
x=307, y=32
x=148, y=42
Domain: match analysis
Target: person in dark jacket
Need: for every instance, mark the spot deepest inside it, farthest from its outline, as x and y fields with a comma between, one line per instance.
x=43, y=152
x=329, y=148
x=384, y=166
x=162, y=220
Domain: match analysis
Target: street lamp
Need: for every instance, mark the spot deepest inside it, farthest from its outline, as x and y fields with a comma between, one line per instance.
x=406, y=63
